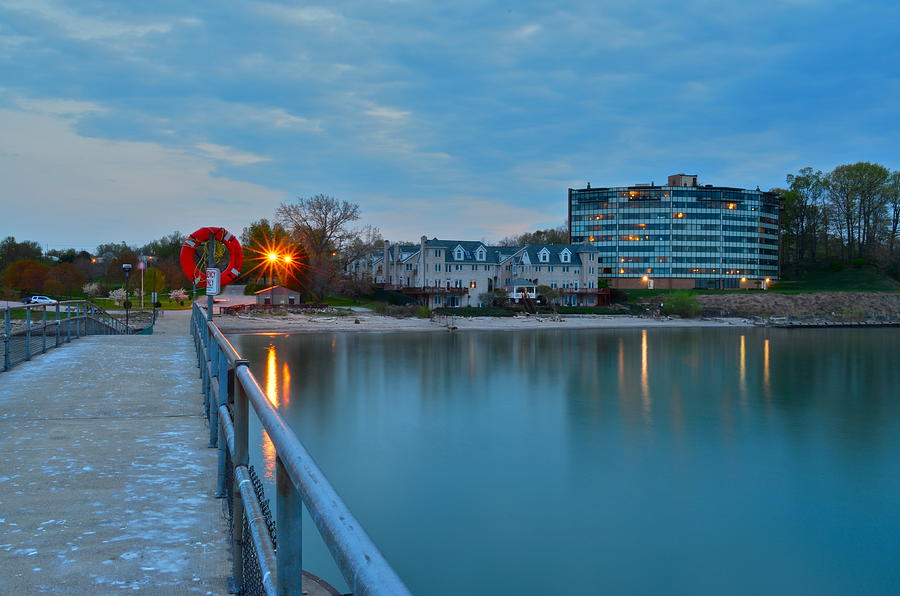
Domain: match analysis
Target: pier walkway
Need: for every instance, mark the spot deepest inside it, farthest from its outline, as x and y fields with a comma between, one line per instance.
x=106, y=483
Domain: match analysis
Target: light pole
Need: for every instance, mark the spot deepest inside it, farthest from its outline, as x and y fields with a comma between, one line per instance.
x=126, y=267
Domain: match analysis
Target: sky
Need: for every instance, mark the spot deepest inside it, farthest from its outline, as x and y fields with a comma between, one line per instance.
x=125, y=121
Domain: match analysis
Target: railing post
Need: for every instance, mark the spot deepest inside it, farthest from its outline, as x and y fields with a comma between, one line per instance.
x=27, y=334
x=68, y=323
x=58, y=330
x=213, y=408
x=44, y=329
x=239, y=458
x=7, y=332
x=221, y=439
x=288, y=555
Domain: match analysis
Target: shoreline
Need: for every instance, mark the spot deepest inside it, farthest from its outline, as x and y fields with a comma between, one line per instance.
x=376, y=323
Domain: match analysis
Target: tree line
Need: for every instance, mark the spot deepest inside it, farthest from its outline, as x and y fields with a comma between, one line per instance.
x=849, y=215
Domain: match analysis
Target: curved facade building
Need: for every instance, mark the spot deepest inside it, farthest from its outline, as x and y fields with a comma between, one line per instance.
x=680, y=235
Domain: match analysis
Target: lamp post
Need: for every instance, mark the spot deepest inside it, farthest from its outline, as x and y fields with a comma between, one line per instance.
x=126, y=267
x=273, y=260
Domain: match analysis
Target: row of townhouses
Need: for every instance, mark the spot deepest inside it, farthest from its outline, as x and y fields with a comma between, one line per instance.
x=461, y=272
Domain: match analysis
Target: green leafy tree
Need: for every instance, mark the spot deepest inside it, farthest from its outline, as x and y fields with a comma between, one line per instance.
x=154, y=280
x=858, y=195
x=551, y=295
x=12, y=251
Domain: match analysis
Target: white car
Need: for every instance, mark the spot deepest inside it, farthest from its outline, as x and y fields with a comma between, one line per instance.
x=38, y=300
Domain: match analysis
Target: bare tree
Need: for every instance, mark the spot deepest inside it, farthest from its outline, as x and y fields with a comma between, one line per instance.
x=319, y=225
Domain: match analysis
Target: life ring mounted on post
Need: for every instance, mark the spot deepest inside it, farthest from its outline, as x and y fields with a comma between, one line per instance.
x=198, y=239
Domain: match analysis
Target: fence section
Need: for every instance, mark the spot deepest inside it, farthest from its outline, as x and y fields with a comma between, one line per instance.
x=31, y=330
x=260, y=564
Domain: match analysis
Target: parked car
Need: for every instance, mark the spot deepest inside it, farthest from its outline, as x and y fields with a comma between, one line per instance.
x=38, y=300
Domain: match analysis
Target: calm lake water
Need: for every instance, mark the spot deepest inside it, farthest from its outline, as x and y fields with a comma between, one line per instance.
x=660, y=461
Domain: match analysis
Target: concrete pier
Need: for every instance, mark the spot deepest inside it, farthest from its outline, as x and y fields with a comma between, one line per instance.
x=106, y=483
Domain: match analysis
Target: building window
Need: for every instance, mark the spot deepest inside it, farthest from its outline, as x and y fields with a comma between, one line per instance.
x=459, y=267
x=565, y=256
x=480, y=254
x=437, y=267
x=447, y=267
x=474, y=267
x=473, y=284
x=544, y=256
x=565, y=269
x=458, y=254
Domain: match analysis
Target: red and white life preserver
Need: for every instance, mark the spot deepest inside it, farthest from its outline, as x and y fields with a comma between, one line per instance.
x=189, y=248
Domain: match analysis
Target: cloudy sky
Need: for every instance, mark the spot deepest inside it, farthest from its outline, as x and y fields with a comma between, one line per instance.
x=124, y=120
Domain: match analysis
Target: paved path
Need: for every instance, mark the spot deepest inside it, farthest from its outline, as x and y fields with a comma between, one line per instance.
x=106, y=481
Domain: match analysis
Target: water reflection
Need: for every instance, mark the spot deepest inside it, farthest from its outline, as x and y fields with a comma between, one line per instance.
x=740, y=458
x=279, y=394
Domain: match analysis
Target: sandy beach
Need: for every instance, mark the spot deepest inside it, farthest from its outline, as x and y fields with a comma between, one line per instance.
x=373, y=322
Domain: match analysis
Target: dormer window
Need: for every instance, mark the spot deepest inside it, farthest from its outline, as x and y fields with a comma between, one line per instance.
x=480, y=254
x=458, y=254
x=544, y=256
x=565, y=256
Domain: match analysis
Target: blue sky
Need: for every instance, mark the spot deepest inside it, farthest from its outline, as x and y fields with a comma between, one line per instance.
x=128, y=120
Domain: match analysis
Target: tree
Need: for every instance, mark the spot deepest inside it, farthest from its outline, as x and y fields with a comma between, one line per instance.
x=319, y=225
x=551, y=295
x=26, y=276
x=112, y=250
x=893, y=195
x=858, y=194
x=365, y=241
x=67, y=277
x=259, y=238
x=803, y=217
x=557, y=235
x=12, y=251
x=166, y=248
x=154, y=280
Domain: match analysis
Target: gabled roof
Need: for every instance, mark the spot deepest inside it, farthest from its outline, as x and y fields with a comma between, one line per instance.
x=493, y=254
x=520, y=281
x=530, y=255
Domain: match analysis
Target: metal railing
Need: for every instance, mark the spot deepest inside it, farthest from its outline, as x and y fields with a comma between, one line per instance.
x=229, y=390
x=29, y=330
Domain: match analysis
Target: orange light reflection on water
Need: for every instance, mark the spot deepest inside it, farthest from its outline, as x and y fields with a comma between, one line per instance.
x=268, y=449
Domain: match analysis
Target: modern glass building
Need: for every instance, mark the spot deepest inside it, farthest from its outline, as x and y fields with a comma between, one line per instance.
x=680, y=235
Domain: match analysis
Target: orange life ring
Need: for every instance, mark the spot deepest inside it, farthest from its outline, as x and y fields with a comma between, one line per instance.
x=189, y=248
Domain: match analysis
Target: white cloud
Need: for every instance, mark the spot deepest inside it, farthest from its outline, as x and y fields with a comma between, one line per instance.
x=300, y=15
x=58, y=107
x=387, y=113
x=229, y=154
x=526, y=31
x=82, y=27
x=82, y=191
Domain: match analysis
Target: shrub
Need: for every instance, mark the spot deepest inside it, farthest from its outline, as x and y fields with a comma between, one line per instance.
x=118, y=296
x=93, y=289
x=617, y=296
x=681, y=304
x=859, y=263
x=423, y=313
x=836, y=266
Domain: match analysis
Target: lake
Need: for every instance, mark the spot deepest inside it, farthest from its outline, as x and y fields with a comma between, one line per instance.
x=616, y=461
